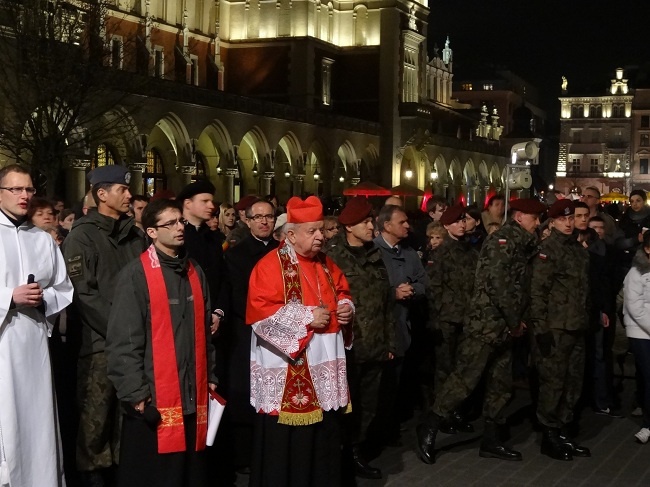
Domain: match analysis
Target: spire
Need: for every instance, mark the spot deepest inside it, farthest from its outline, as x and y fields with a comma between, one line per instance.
x=447, y=54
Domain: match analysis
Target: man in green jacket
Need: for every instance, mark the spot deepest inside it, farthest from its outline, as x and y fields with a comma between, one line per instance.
x=499, y=308
x=161, y=358
x=559, y=320
x=374, y=327
x=99, y=245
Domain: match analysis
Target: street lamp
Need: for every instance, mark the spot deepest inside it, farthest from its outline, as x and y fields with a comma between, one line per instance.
x=341, y=179
x=316, y=175
x=255, y=169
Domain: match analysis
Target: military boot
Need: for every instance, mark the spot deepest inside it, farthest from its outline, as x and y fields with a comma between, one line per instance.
x=361, y=466
x=570, y=445
x=492, y=447
x=426, y=437
x=460, y=423
x=553, y=446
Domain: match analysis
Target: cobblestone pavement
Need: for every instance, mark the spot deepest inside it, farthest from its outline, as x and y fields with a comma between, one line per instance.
x=617, y=460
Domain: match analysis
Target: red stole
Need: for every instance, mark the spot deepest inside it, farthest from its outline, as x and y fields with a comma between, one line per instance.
x=299, y=405
x=171, y=431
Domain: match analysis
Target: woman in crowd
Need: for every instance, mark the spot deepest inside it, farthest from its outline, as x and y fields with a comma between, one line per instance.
x=636, y=310
x=475, y=232
x=226, y=218
x=41, y=213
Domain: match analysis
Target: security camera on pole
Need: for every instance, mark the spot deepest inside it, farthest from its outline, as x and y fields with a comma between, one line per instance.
x=523, y=155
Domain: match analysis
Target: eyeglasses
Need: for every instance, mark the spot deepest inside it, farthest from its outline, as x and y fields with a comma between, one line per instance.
x=172, y=223
x=259, y=218
x=18, y=190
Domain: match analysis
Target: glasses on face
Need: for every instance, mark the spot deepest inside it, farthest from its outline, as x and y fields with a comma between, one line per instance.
x=259, y=218
x=18, y=190
x=172, y=223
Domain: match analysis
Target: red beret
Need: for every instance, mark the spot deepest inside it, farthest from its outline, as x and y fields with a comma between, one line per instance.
x=309, y=210
x=356, y=210
x=452, y=214
x=561, y=208
x=246, y=202
x=528, y=205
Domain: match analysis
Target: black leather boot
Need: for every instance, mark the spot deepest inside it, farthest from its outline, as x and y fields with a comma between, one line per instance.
x=491, y=446
x=460, y=423
x=575, y=449
x=361, y=466
x=426, y=433
x=553, y=446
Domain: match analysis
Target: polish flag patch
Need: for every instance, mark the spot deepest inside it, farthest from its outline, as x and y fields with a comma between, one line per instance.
x=502, y=241
x=543, y=256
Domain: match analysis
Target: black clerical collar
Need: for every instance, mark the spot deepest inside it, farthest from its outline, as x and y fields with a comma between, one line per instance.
x=16, y=223
x=265, y=242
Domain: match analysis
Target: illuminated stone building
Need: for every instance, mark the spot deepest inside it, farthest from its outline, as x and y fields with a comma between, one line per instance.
x=289, y=97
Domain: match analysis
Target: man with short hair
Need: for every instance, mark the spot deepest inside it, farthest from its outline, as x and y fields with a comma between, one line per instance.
x=494, y=211
x=374, y=326
x=241, y=231
x=299, y=307
x=591, y=196
x=499, y=305
x=160, y=358
x=203, y=245
x=598, y=224
x=240, y=261
x=138, y=204
x=395, y=201
x=451, y=276
x=581, y=215
x=408, y=281
x=436, y=206
x=88, y=202
x=34, y=288
x=99, y=245
x=559, y=320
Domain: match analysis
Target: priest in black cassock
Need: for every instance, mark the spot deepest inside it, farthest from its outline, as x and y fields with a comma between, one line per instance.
x=240, y=261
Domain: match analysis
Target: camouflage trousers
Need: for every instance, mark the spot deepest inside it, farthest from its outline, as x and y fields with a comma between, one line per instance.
x=99, y=415
x=474, y=357
x=560, y=378
x=448, y=337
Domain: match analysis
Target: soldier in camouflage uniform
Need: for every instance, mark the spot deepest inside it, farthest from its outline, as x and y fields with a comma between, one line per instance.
x=374, y=325
x=451, y=276
x=499, y=306
x=559, y=320
x=99, y=245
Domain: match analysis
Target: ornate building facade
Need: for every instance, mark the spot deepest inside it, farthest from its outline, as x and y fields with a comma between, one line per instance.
x=287, y=97
x=596, y=139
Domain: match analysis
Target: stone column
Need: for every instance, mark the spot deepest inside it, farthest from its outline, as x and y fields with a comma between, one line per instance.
x=76, y=180
x=229, y=194
x=186, y=174
x=298, y=182
x=136, y=186
x=266, y=183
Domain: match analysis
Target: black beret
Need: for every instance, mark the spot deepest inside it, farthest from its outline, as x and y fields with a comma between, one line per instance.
x=561, y=208
x=197, y=187
x=356, y=210
x=111, y=174
x=528, y=205
x=452, y=214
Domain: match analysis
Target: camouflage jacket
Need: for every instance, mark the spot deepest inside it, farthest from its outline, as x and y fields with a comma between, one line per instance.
x=374, y=324
x=451, y=280
x=501, y=294
x=560, y=285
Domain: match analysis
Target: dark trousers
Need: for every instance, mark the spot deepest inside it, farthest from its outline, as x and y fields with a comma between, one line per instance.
x=600, y=367
x=364, y=380
x=141, y=464
x=641, y=350
x=296, y=456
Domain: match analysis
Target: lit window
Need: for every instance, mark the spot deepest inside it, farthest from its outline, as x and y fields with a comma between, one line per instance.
x=466, y=86
x=326, y=78
x=487, y=87
x=595, y=165
x=154, y=177
x=575, y=165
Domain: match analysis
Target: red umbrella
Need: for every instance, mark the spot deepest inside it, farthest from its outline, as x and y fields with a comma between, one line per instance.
x=406, y=190
x=366, y=189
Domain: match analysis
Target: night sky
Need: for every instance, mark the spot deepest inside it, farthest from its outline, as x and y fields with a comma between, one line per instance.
x=543, y=40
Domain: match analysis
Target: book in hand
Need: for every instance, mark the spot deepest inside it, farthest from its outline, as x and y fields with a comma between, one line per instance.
x=216, y=405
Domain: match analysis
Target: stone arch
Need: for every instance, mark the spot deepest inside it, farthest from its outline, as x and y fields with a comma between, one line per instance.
x=118, y=130
x=369, y=169
x=483, y=174
x=215, y=145
x=470, y=179
x=411, y=159
x=171, y=140
x=495, y=177
x=253, y=150
x=454, y=188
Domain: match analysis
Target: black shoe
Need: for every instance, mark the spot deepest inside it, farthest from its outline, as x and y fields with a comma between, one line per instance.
x=361, y=466
x=426, y=442
x=448, y=427
x=92, y=479
x=575, y=449
x=460, y=423
x=500, y=451
x=552, y=446
x=608, y=412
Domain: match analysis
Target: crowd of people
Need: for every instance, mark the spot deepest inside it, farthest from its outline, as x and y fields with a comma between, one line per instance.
x=324, y=333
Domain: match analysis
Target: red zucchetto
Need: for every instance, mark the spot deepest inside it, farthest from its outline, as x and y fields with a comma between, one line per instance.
x=309, y=210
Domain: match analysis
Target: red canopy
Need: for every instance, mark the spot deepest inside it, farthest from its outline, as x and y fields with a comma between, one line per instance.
x=406, y=190
x=366, y=188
